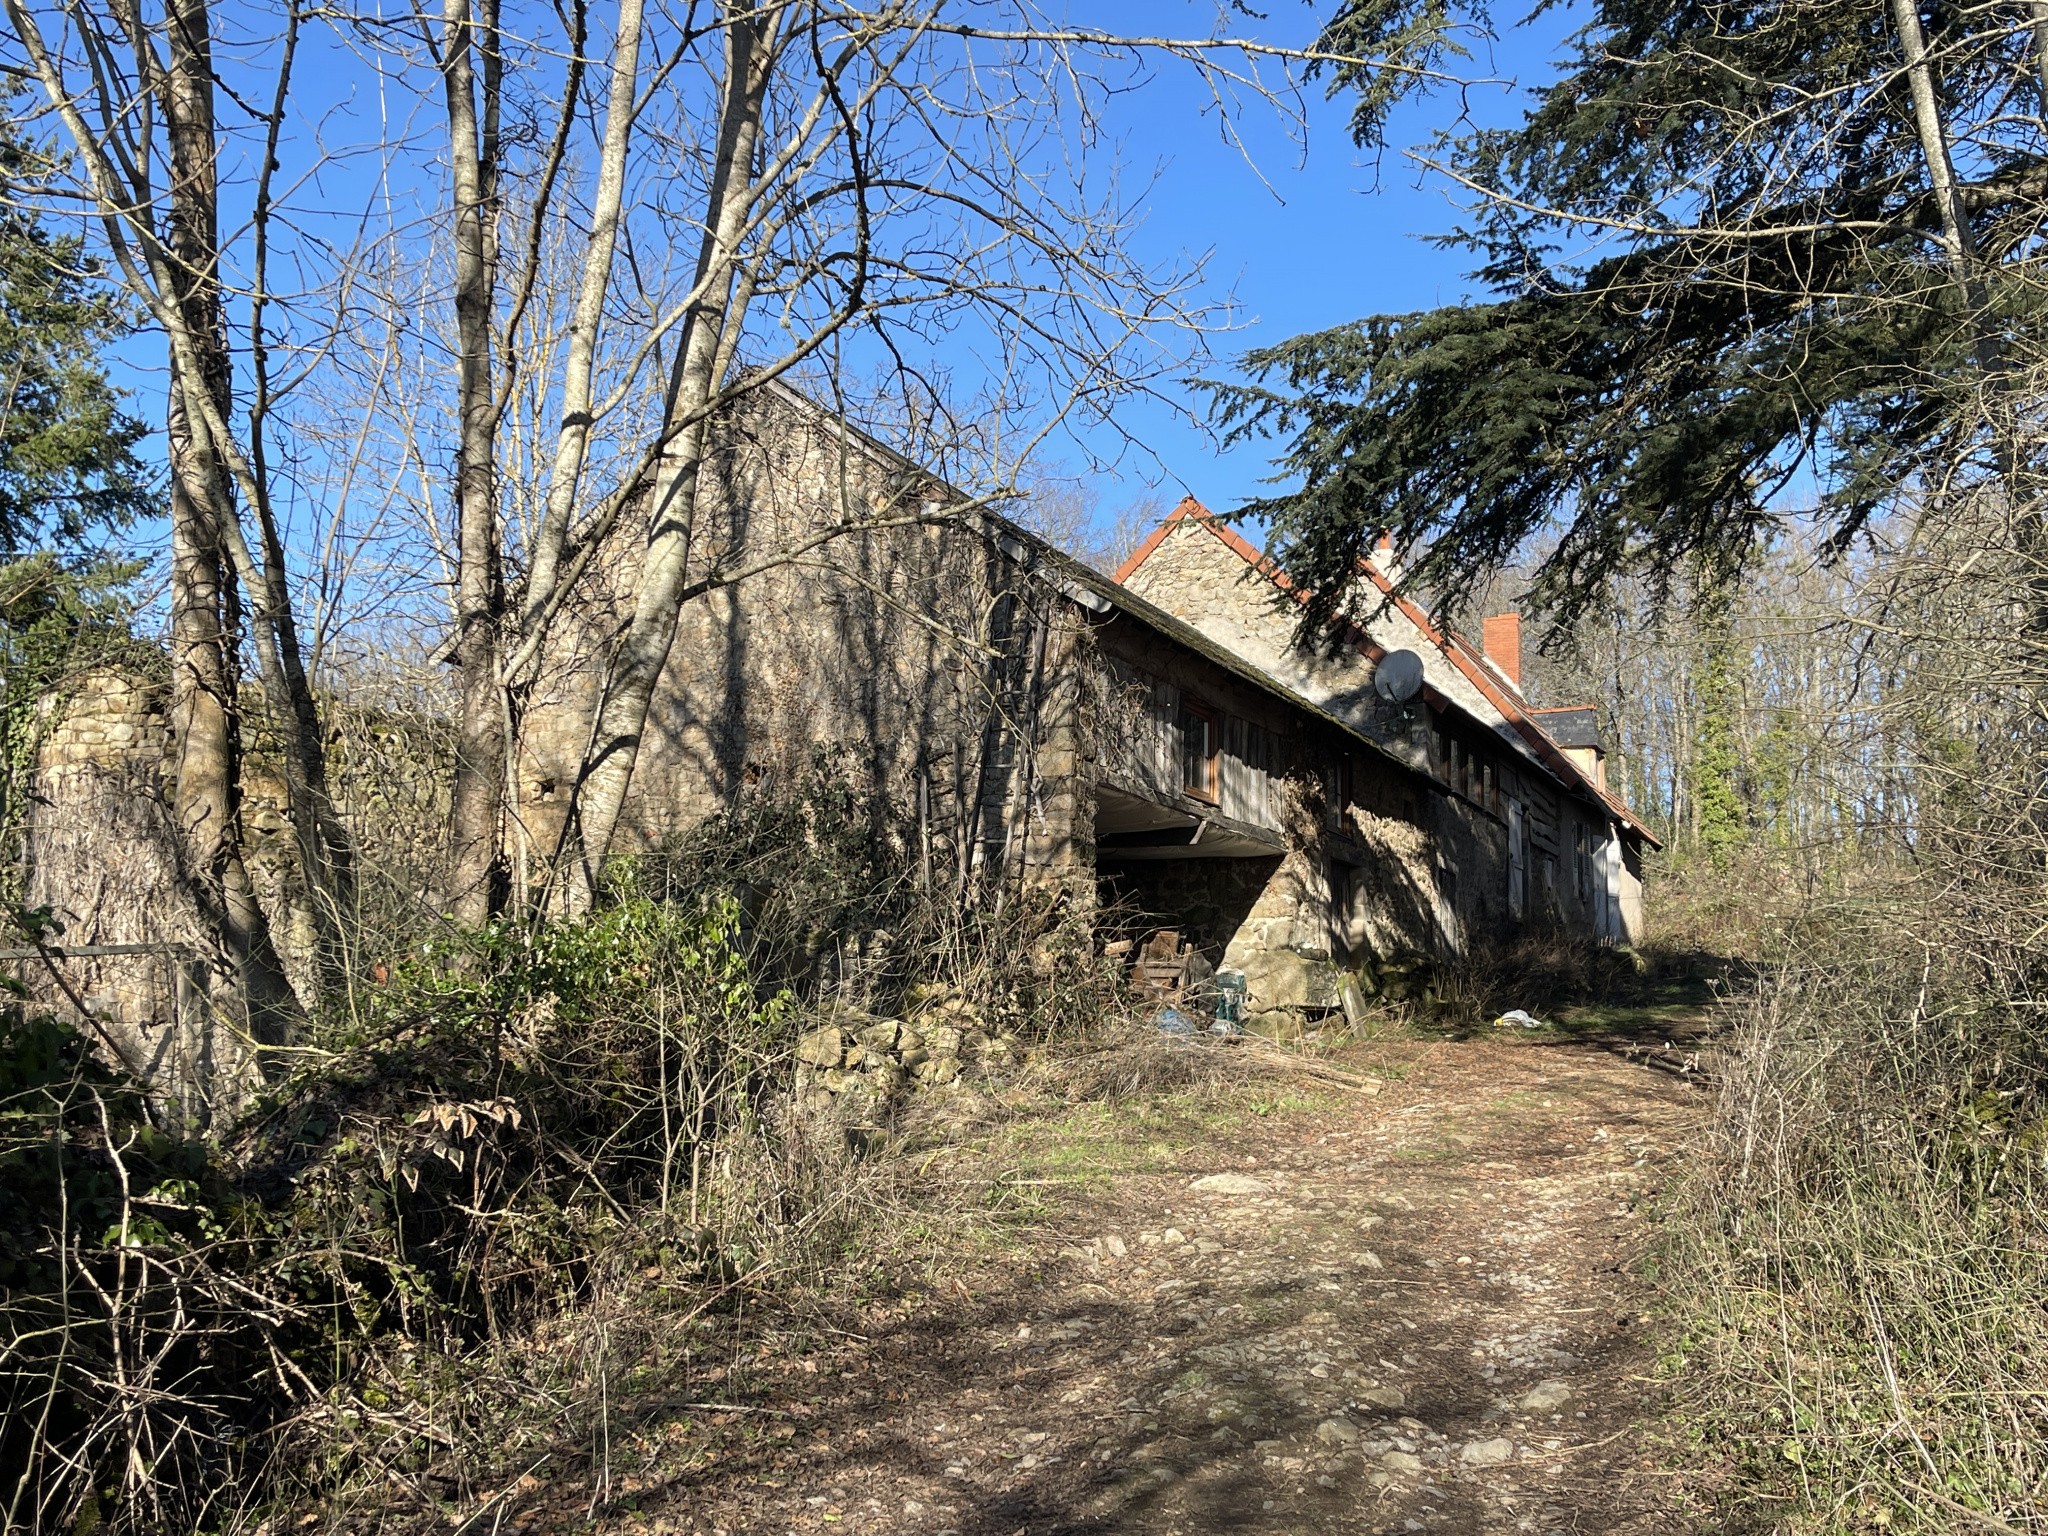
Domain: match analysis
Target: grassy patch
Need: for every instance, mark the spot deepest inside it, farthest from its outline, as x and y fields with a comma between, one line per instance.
x=990, y=1181
x=1679, y=1007
x=1096, y=1146
x=1576, y=990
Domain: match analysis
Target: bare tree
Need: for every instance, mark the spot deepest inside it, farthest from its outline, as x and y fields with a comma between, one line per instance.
x=834, y=130
x=625, y=221
x=152, y=99
x=792, y=189
x=472, y=69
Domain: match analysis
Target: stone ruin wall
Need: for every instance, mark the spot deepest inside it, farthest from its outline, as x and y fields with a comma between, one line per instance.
x=102, y=853
x=101, y=845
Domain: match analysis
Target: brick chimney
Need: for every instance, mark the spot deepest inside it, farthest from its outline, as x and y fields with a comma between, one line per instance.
x=1383, y=556
x=1501, y=635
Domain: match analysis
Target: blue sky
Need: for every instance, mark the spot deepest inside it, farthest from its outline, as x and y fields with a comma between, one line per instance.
x=1306, y=235
x=1317, y=235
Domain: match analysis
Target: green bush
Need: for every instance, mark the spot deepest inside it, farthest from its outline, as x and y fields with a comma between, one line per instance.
x=498, y=1107
x=497, y=1122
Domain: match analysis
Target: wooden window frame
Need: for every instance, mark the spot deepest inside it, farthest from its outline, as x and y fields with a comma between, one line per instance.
x=1209, y=793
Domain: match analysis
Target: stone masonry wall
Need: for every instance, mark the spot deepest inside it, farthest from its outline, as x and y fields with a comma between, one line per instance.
x=1195, y=575
x=900, y=656
x=102, y=854
x=1354, y=883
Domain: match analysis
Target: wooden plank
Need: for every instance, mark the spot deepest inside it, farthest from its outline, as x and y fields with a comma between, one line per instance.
x=1231, y=796
x=1276, y=781
x=1258, y=804
x=1255, y=801
x=1166, y=765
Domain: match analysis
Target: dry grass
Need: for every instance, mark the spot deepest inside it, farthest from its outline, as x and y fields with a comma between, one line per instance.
x=970, y=1174
x=1862, y=1257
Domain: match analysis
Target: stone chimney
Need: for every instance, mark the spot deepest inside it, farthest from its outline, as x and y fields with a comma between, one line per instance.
x=1501, y=635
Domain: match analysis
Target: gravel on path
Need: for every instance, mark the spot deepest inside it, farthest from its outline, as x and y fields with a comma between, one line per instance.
x=1416, y=1312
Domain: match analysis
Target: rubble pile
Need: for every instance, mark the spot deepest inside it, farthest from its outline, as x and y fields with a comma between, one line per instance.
x=861, y=1059
x=1404, y=978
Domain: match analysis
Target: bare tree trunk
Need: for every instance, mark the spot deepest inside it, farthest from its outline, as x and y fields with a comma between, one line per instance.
x=205, y=604
x=326, y=854
x=572, y=443
x=644, y=648
x=476, y=868
x=1956, y=235
x=2011, y=444
x=546, y=574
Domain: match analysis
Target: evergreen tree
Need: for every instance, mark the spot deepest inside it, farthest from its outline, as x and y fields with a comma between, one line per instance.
x=69, y=474
x=1734, y=248
x=70, y=478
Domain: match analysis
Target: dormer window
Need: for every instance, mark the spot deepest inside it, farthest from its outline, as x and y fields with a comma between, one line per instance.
x=1198, y=750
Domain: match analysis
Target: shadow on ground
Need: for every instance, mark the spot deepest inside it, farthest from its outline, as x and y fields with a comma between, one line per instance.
x=1419, y=1311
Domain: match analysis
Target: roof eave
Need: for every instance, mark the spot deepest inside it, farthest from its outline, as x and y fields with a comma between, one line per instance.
x=1546, y=753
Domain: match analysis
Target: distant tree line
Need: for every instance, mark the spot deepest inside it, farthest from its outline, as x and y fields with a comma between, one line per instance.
x=1751, y=714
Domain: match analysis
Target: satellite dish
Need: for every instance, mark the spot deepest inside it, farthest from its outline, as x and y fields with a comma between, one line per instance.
x=1398, y=677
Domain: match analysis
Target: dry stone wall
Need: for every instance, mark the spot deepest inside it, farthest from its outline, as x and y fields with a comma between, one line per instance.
x=858, y=1067
x=102, y=845
x=102, y=853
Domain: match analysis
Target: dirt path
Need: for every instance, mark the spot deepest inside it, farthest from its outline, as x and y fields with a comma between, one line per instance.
x=1415, y=1312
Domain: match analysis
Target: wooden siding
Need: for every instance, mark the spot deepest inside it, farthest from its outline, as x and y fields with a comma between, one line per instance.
x=1251, y=774
x=1141, y=750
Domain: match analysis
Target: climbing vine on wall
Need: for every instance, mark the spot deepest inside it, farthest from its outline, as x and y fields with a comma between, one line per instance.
x=55, y=623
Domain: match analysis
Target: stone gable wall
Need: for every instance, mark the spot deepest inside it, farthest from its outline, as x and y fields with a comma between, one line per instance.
x=901, y=654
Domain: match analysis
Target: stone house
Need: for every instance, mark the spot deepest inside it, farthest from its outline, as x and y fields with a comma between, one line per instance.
x=1153, y=740
x=1522, y=823
x=1154, y=745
